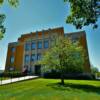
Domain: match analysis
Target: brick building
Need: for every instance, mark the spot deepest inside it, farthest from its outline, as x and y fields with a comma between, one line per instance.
x=30, y=47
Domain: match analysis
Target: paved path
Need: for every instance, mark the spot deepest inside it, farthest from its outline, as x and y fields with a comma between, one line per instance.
x=8, y=81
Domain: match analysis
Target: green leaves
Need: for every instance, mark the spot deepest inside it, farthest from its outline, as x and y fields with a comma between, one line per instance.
x=1, y=2
x=13, y=3
x=2, y=28
x=64, y=56
x=83, y=13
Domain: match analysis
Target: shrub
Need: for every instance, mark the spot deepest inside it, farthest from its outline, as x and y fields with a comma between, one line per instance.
x=13, y=74
x=83, y=76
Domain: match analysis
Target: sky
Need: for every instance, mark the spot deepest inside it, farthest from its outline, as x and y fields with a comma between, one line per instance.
x=35, y=15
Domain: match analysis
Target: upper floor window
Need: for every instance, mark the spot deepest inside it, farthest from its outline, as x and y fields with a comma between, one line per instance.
x=13, y=49
x=33, y=45
x=27, y=46
x=33, y=57
x=39, y=44
x=12, y=59
x=74, y=39
x=27, y=58
x=46, y=44
x=38, y=56
x=52, y=42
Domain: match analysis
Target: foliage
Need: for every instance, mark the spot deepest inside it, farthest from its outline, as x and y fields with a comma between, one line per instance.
x=83, y=13
x=65, y=57
x=12, y=74
x=94, y=70
x=13, y=3
x=2, y=28
x=78, y=76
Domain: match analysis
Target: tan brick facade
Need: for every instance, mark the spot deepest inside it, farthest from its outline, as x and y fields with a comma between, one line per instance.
x=18, y=55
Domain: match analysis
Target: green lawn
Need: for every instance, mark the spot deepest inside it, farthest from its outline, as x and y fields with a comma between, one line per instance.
x=49, y=89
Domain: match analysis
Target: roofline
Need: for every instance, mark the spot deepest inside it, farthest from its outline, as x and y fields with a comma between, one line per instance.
x=78, y=32
x=43, y=30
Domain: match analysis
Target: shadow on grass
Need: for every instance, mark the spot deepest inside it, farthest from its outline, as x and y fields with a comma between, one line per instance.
x=73, y=87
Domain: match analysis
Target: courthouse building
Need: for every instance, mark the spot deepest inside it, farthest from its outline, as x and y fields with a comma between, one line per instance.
x=30, y=47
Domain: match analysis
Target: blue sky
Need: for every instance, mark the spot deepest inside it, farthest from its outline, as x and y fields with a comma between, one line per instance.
x=32, y=15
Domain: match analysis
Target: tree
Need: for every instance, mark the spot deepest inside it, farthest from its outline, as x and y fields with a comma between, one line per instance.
x=83, y=13
x=64, y=56
x=94, y=70
x=13, y=3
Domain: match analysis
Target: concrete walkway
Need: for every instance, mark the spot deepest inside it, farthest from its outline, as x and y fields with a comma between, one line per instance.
x=8, y=81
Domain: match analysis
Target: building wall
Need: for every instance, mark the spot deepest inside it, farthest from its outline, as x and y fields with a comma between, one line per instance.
x=18, y=57
x=84, y=44
x=20, y=52
x=81, y=37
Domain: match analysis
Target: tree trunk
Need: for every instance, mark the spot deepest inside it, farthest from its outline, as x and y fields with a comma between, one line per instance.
x=62, y=79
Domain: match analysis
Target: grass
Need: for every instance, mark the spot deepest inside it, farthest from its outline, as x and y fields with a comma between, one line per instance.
x=50, y=89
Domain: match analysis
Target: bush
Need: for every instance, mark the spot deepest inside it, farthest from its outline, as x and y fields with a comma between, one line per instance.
x=52, y=75
x=13, y=74
x=83, y=76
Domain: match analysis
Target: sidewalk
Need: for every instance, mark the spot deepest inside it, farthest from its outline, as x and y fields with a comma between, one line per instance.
x=8, y=81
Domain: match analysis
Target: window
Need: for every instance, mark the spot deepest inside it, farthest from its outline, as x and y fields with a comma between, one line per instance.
x=13, y=49
x=46, y=44
x=27, y=46
x=52, y=42
x=38, y=56
x=12, y=59
x=27, y=58
x=33, y=45
x=74, y=39
x=11, y=68
x=39, y=44
x=33, y=57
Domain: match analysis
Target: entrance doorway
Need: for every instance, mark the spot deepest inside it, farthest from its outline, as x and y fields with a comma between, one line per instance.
x=38, y=69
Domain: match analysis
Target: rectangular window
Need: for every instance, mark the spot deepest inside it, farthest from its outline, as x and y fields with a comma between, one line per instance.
x=33, y=57
x=74, y=39
x=13, y=49
x=33, y=45
x=46, y=44
x=52, y=42
x=27, y=58
x=27, y=46
x=12, y=59
x=39, y=44
x=38, y=56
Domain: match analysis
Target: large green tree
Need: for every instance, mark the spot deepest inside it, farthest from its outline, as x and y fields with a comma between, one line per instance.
x=64, y=56
x=83, y=13
x=13, y=3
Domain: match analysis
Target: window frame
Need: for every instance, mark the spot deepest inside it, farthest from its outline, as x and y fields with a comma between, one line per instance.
x=12, y=58
x=27, y=46
x=39, y=56
x=33, y=42
x=34, y=57
x=38, y=44
x=46, y=43
x=13, y=49
x=25, y=59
